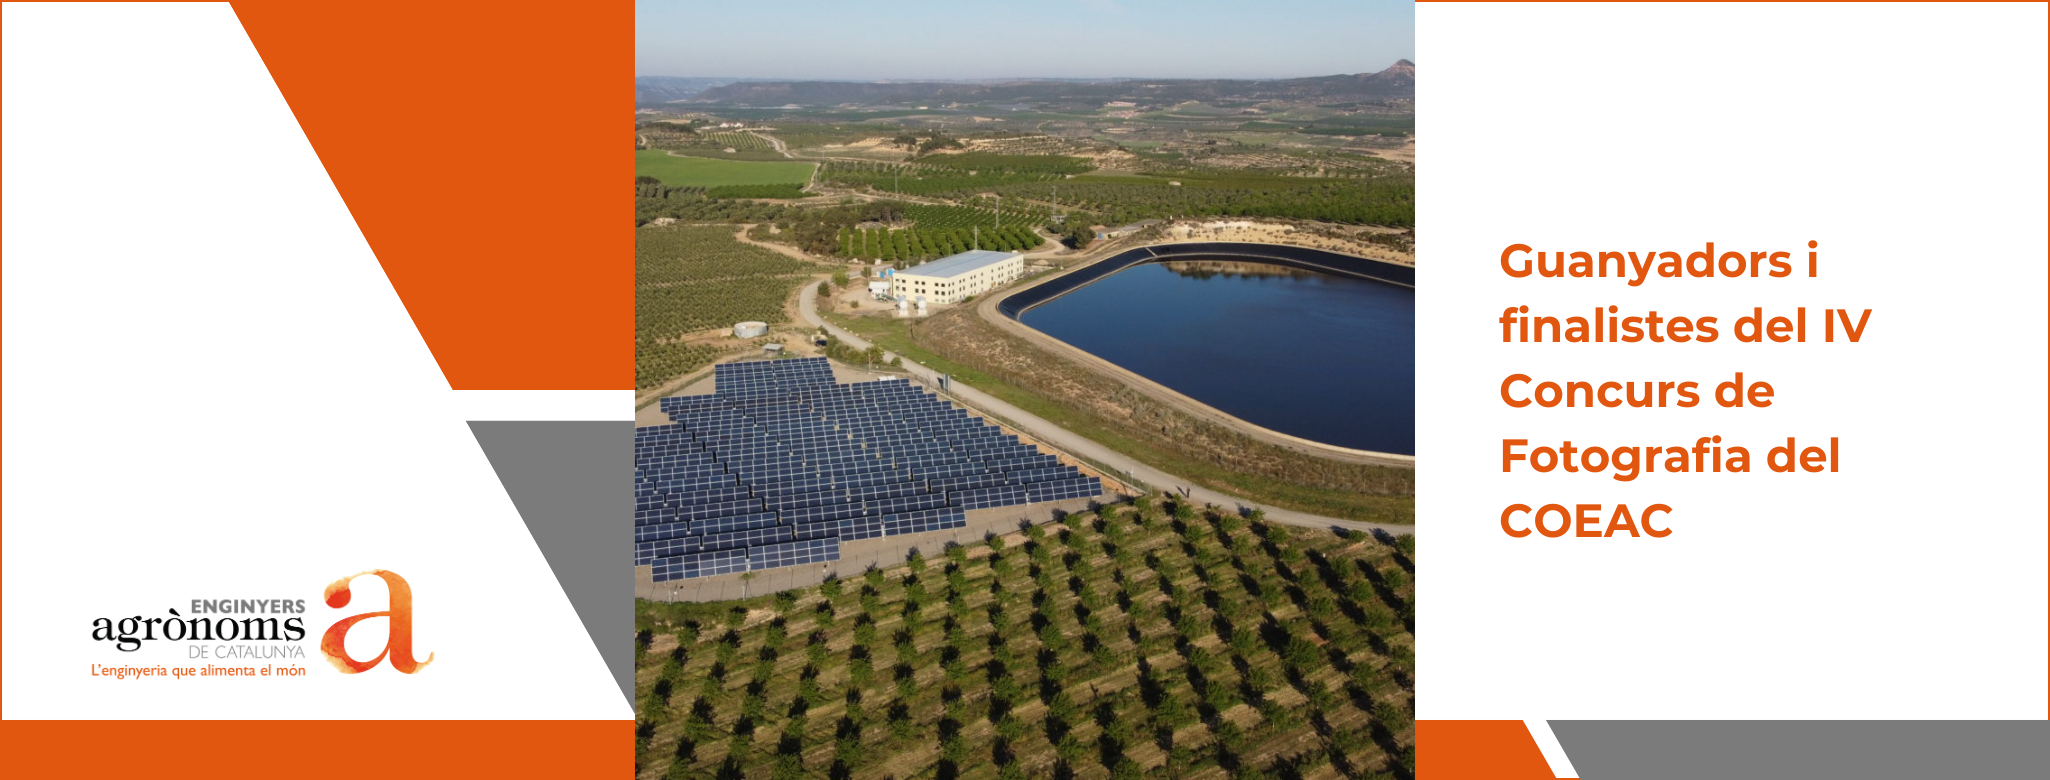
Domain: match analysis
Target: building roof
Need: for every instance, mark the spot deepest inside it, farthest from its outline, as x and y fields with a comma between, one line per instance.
x=956, y=265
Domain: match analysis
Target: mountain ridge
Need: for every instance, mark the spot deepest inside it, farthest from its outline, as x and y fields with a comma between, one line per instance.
x=1398, y=81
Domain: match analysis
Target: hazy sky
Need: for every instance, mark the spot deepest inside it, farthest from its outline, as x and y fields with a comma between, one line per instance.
x=970, y=39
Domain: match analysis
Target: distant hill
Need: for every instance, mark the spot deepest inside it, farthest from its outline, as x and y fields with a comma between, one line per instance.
x=667, y=89
x=1397, y=82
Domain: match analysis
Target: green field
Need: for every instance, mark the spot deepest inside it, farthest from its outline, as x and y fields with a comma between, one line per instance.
x=703, y=172
x=1152, y=639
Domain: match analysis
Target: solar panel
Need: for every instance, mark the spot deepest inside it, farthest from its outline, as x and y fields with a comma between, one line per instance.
x=699, y=496
x=706, y=564
x=955, y=469
x=707, y=511
x=804, y=485
x=1061, y=490
x=802, y=500
x=645, y=553
x=923, y=521
x=793, y=553
x=988, y=497
x=702, y=564
x=819, y=514
x=770, y=381
x=967, y=481
x=858, y=528
x=667, y=569
x=731, y=523
x=887, y=477
x=1038, y=475
x=659, y=531
x=747, y=538
x=829, y=528
x=780, y=464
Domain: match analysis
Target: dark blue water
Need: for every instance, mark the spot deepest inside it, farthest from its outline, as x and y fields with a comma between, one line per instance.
x=1327, y=358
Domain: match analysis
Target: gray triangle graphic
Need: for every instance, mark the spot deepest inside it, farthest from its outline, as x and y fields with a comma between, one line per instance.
x=569, y=481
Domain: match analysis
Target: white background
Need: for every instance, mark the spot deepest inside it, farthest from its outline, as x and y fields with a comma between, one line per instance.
x=213, y=392
x=1909, y=141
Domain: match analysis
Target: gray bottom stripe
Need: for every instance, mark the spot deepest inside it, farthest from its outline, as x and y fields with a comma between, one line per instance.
x=569, y=481
x=1806, y=749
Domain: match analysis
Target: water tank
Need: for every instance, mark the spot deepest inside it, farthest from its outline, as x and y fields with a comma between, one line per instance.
x=748, y=330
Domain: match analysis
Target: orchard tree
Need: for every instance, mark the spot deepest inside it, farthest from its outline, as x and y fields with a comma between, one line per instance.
x=1080, y=235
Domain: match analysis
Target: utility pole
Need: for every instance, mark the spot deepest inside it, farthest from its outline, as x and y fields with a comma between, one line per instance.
x=978, y=236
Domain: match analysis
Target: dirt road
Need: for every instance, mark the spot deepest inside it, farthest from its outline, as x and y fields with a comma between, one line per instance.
x=1133, y=470
x=781, y=249
x=643, y=398
x=774, y=143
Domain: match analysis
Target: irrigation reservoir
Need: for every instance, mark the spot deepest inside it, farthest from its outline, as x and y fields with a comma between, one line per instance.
x=1312, y=344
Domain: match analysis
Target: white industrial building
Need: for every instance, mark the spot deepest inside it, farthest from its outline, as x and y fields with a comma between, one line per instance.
x=955, y=277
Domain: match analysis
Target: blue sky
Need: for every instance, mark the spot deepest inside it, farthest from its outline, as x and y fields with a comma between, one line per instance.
x=966, y=39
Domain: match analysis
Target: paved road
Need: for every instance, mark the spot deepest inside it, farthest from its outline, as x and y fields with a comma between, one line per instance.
x=1082, y=446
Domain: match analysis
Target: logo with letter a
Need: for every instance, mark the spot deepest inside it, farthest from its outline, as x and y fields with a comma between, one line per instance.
x=398, y=644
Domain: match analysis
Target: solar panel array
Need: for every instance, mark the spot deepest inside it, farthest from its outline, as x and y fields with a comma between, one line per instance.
x=769, y=377
x=779, y=465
